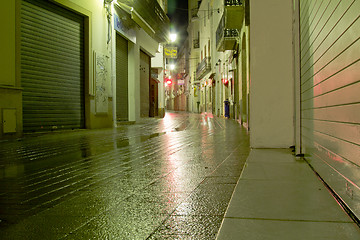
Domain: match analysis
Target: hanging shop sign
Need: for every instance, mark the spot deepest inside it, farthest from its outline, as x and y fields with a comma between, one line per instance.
x=170, y=52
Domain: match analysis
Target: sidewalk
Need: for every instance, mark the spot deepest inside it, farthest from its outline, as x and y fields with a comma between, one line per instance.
x=279, y=197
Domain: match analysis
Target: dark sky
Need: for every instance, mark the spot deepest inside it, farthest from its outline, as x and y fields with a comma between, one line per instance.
x=178, y=14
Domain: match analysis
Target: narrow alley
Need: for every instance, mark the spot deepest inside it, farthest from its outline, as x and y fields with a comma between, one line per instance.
x=156, y=179
x=180, y=119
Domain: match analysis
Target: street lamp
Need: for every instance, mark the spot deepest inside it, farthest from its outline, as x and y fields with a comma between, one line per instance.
x=173, y=37
x=172, y=66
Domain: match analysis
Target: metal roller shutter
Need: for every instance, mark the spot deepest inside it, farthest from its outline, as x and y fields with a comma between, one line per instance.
x=52, y=67
x=121, y=78
x=330, y=100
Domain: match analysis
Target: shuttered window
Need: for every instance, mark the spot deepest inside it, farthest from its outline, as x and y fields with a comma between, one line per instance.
x=52, y=67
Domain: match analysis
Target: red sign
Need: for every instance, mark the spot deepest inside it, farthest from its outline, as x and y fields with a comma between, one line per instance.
x=225, y=81
x=168, y=81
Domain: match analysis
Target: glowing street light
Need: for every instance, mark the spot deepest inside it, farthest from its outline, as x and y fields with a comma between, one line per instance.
x=173, y=37
x=172, y=66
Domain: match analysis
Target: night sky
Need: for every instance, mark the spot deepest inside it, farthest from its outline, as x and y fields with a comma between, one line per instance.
x=178, y=14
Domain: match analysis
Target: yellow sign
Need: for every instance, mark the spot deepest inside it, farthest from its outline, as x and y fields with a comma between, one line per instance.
x=170, y=52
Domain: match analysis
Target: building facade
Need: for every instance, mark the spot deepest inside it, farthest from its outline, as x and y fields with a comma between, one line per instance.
x=289, y=70
x=219, y=39
x=75, y=64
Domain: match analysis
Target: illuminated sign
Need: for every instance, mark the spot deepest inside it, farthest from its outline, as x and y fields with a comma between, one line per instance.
x=168, y=81
x=170, y=52
x=181, y=82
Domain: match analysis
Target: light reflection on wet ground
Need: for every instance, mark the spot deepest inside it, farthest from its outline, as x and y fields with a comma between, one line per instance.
x=168, y=178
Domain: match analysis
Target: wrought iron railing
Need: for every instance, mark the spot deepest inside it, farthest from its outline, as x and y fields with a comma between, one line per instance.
x=203, y=68
x=194, y=13
x=233, y=2
x=225, y=34
x=220, y=30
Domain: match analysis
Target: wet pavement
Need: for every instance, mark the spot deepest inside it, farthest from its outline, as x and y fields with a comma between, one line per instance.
x=169, y=178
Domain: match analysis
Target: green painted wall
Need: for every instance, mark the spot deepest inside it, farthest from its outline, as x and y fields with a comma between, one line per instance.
x=7, y=43
x=10, y=91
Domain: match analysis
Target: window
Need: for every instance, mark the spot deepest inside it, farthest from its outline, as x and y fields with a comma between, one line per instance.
x=209, y=47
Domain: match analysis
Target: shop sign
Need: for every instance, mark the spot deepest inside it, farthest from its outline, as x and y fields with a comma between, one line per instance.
x=121, y=27
x=170, y=52
x=181, y=82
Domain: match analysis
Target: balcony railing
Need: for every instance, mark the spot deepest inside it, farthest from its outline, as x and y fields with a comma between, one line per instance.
x=226, y=38
x=151, y=12
x=233, y=2
x=203, y=68
x=227, y=32
x=194, y=13
x=196, y=43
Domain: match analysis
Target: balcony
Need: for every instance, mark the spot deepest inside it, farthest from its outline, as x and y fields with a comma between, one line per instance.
x=194, y=14
x=196, y=43
x=150, y=16
x=203, y=68
x=230, y=25
x=226, y=39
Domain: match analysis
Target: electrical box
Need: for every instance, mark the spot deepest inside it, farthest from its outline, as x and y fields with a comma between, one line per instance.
x=9, y=120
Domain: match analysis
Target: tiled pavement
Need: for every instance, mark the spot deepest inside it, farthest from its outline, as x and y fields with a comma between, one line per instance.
x=168, y=178
x=279, y=197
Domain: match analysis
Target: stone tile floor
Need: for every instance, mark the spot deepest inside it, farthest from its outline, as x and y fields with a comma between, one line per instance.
x=279, y=197
x=168, y=178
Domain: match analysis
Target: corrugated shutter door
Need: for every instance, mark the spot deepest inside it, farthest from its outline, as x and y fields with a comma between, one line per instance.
x=330, y=87
x=122, y=78
x=52, y=69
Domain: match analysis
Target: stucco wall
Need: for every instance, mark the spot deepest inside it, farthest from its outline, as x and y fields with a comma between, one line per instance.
x=10, y=91
x=271, y=71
